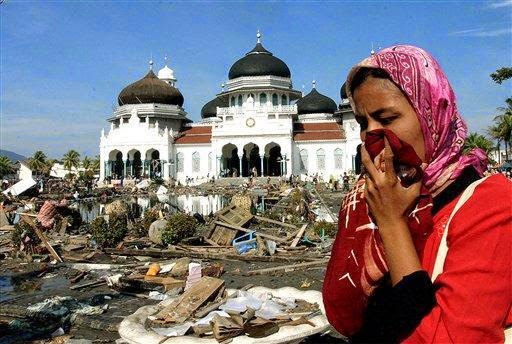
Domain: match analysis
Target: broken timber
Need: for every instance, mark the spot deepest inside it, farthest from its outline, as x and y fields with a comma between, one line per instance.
x=204, y=255
x=263, y=235
x=299, y=235
x=41, y=237
x=286, y=268
x=197, y=295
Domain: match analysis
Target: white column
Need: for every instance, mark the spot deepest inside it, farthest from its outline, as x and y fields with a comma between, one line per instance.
x=261, y=164
x=240, y=165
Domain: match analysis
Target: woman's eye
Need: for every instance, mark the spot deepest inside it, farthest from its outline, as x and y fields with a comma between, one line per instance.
x=387, y=120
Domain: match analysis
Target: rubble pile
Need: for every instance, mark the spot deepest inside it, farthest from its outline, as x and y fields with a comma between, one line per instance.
x=196, y=273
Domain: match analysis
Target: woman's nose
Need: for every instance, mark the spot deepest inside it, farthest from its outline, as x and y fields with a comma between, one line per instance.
x=373, y=124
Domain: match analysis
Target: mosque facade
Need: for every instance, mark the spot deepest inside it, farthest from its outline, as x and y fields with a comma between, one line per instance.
x=258, y=125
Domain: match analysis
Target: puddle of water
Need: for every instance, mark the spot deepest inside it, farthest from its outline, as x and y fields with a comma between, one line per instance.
x=12, y=287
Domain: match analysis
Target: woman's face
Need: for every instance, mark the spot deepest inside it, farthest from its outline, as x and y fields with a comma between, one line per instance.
x=380, y=104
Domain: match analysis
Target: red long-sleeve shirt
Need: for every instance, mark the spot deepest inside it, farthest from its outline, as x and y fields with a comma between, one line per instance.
x=474, y=298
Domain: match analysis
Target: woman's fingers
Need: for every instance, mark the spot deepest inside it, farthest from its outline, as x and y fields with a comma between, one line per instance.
x=368, y=163
x=388, y=160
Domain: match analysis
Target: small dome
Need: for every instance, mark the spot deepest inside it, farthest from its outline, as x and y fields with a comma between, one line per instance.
x=343, y=91
x=150, y=89
x=257, y=62
x=210, y=109
x=315, y=102
x=166, y=73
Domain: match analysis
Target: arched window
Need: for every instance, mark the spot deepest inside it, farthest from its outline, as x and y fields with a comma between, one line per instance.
x=210, y=161
x=284, y=100
x=232, y=101
x=303, y=160
x=179, y=162
x=275, y=100
x=239, y=100
x=196, y=162
x=320, y=159
x=263, y=99
x=338, y=159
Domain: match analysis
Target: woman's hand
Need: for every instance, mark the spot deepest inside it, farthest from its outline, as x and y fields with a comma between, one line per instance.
x=389, y=203
x=388, y=200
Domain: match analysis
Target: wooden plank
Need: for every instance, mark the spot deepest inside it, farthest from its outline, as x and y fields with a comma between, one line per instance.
x=207, y=255
x=263, y=235
x=234, y=215
x=197, y=295
x=299, y=235
x=42, y=237
x=286, y=268
x=261, y=218
x=223, y=236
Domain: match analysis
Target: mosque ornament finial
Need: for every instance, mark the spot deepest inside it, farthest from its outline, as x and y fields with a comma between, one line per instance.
x=151, y=62
x=314, y=84
x=222, y=87
x=165, y=59
x=258, y=36
x=372, y=52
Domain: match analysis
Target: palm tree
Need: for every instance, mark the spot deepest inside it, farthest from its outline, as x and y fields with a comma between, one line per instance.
x=5, y=166
x=494, y=133
x=504, y=128
x=475, y=140
x=38, y=162
x=71, y=159
x=96, y=163
x=86, y=163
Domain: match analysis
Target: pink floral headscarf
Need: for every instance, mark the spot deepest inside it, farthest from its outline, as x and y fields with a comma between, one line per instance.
x=422, y=80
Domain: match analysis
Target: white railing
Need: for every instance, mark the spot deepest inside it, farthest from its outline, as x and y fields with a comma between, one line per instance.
x=238, y=110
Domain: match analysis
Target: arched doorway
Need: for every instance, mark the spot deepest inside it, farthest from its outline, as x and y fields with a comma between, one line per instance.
x=154, y=164
x=273, y=159
x=134, y=164
x=251, y=159
x=230, y=162
x=116, y=164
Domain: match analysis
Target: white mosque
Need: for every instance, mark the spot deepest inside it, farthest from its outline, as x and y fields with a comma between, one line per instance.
x=257, y=123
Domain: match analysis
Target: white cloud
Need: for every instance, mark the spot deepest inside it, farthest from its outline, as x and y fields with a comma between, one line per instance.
x=500, y=4
x=482, y=32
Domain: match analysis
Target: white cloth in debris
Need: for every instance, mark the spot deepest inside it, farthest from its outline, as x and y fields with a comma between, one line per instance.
x=174, y=331
x=241, y=303
x=206, y=319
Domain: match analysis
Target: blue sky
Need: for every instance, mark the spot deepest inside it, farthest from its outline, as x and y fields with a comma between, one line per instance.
x=63, y=63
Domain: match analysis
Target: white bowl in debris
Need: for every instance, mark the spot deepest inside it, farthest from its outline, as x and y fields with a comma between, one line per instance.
x=133, y=331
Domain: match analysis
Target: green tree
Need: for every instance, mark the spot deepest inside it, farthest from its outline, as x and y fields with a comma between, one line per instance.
x=5, y=166
x=503, y=124
x=71, y=159
x=493, y=132
x=38, y=162
x=502, y=74
x=475, y=140
x=96, y=164
x=86, y=163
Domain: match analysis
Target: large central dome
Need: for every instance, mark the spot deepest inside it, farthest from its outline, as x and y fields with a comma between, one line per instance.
x=257, y=62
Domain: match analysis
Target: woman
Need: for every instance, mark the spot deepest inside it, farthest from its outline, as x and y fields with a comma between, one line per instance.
x=378, y=283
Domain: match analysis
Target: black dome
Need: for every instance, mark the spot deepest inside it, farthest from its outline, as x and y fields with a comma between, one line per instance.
x=259, y=61
x=315, y=102
x=210, y=109
x=343, y=91
x=150, y=89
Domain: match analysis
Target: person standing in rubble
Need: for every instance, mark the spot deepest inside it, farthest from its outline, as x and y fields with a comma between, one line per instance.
x=423, y=251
